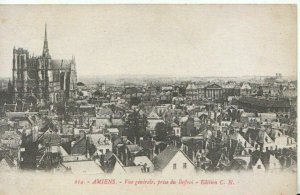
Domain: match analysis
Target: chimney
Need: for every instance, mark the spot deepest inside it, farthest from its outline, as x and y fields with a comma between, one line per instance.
x=140, y=142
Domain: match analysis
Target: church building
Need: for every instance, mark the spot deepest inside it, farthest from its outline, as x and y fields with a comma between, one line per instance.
x=41, y=77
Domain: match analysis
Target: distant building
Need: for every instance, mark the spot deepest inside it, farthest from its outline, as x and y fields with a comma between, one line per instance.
x=245, y=89
x=253, y=104
x=213, y=91
x=42, y=77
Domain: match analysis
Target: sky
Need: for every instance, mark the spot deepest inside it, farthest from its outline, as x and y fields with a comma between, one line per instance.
x=178, y=40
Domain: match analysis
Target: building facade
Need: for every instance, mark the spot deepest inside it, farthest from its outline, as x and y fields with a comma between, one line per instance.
x=42, y=77
x=213, y=91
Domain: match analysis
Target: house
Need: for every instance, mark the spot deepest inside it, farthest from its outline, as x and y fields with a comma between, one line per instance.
x=101, y=143
x=113, y=131
x=268, y=143
x=176, y=130
x=285, y=141
x=144, y=161
x=246, y=115
x=120, y=169
x=11, y=139
x=173, y=161
x=153, y=119
x=245, y=89
x=161, y=109
x=267, y=117
x=192, y=91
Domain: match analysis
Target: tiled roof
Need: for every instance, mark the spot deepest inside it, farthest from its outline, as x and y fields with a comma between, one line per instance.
x=162, y=159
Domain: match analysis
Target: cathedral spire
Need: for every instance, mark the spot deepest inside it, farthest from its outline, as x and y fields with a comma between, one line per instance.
x=45, y=48
x=45, y=32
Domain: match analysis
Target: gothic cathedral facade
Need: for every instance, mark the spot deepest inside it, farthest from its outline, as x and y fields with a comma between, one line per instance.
x=41, y=77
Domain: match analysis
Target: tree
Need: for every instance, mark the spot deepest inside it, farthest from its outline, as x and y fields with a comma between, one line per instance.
x=161, y=131
x=80, y=93
x=80, y=84
x=260, y=91
x=98, y=93
x=135, y=126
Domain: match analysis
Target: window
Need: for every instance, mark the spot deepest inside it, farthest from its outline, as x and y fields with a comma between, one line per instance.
x=107, y=150
x=174, y=166
x=184, y=165
x=259, y=166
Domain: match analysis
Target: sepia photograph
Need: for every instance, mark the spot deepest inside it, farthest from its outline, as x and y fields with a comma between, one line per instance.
x=148, y=99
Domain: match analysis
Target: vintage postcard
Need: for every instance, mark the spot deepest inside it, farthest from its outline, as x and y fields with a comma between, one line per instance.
x=148, y=99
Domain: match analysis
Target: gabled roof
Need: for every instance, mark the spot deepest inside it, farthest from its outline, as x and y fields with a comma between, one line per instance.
x=163, y=158
x=153, y=115
x=6, y=163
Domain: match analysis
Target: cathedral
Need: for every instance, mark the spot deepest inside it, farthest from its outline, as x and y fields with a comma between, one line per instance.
x=41, y=77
